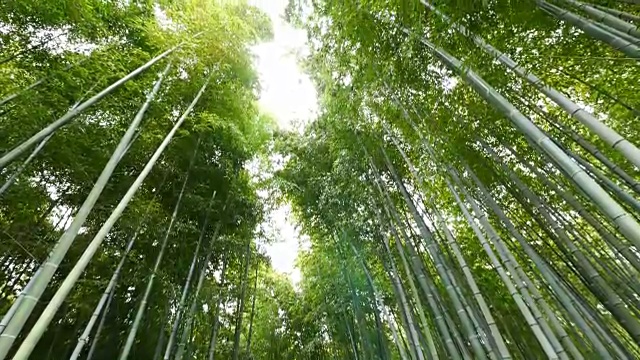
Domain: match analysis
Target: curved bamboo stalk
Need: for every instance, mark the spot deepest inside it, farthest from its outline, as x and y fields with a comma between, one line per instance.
x=608, y=135
x=591, y=29
x=351, y=340
x=600, y=331
x=481, y=330
x=605, y=18
x=40, y=280
x=430, y=292
x=615, y=272
x=620, y=14
x=73, y=276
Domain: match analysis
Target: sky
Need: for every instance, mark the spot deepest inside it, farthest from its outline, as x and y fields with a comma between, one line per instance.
x=288, y=94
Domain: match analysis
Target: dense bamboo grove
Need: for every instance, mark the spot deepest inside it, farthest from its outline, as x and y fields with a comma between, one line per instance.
x=470, y=188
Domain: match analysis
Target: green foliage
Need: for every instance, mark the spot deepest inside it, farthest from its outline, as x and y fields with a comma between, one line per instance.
x=226, y=122
x=522, y=262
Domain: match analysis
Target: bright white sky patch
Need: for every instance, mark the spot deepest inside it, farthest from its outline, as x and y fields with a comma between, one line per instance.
x=289, y=95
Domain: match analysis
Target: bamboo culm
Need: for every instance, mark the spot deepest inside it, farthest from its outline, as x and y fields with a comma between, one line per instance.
x=240, y=307
x=104, y=299
x=37, y=149
x=601, y=289
x=608, y=135
x=605, y=18
x=513, y=291
x=624, y=221
x=617, y=245
x=393, y=217
x=435, y=253
x=621, y=14
x=495, y=332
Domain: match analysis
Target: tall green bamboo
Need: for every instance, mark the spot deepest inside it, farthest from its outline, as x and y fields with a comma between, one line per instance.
x=189, y=318
x=27, y=300
x=533, y=323
x=608, y=183
x=617, y=245
x=73, y=276
x=133, y=330
x=397, y=233
x=253, y=310
x=379, y=304
x=620, y=14
x=18, y=150
x=105, y=299
x=589, y=147
x=520, y=276
x=216, y=310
